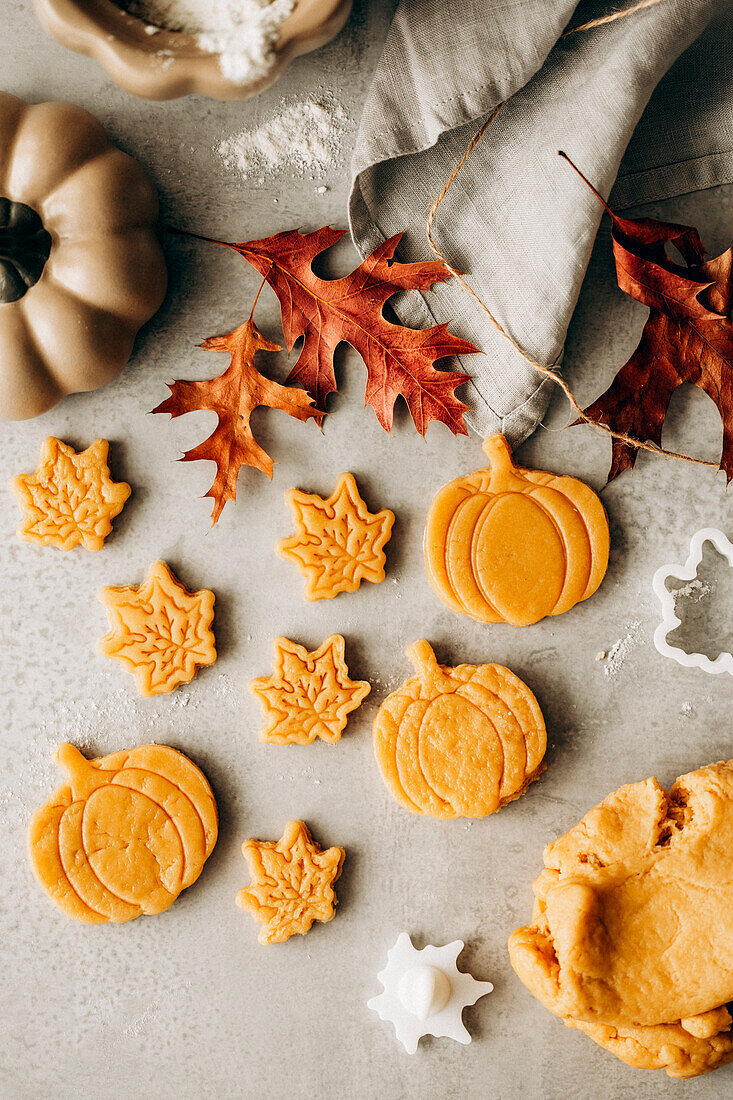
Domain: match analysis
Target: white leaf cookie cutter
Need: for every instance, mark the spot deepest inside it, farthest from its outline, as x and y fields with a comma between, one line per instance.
x=687, y=572
x=425, y=992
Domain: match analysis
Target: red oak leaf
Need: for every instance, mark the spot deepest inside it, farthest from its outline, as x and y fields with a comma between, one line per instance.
x=233, y=396
x=327, y=312
x=688, y=336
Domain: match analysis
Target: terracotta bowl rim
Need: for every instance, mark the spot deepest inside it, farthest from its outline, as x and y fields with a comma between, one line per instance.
x=167, y=64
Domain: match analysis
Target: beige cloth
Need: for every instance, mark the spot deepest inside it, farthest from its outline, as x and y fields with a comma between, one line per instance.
x=517, y=218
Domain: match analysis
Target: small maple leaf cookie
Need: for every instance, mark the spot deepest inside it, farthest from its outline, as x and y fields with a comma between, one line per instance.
x=338, y=541
x=161, y=632
x=309, y=695
x=291, y=883
x=70, y=499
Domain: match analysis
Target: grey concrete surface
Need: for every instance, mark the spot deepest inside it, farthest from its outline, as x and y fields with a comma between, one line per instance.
x=188, y=1004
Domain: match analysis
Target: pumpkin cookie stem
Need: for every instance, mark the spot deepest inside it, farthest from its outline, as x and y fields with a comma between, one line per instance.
x=499, y=453
x=83, y=778
x=425, y=663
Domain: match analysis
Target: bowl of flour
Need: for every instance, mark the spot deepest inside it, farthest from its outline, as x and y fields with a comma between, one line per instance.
x=160, y=49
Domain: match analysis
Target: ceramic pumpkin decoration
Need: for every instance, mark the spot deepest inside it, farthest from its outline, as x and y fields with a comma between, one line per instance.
x=458, y=742
x=511, y=545
x=81, y=268
x=124, y=835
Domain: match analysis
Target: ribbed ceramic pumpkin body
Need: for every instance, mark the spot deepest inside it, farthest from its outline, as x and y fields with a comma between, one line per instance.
x=458, y=742
x=81, y=268
x=511, y=545
x=125, y=835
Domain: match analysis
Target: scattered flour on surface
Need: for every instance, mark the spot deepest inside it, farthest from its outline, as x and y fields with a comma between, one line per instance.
x=620, y=650
x=305, y=136
x=139, y=1025
x=694, y=590
x=118, y=721
x=243, y=33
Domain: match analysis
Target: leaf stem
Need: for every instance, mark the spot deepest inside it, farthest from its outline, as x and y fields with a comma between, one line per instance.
x=259, y=291
x=587, y=182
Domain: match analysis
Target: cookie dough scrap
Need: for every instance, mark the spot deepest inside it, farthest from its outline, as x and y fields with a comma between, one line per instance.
x=309, y=695
x=161, y=632
x=631, y=939
x=124, y=835
x=70, y=499
x=458, y=742
x=291, y=883
x=338, y=542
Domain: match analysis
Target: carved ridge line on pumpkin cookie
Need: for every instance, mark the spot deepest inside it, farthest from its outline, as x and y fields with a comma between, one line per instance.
x=392, y=732
x=476, y=530
x=56, y=892
x=454, y=810
x=424, y=807
x=460, y=602
x=186, y=858
x=195, y=775
x=83, y=866
x=559, y=531
x=494, y=693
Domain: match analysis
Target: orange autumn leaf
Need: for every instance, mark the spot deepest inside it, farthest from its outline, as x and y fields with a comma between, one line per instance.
x=327, y=312
x=233, y=396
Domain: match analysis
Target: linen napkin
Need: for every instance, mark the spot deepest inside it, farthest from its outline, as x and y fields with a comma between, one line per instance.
x=517, y=218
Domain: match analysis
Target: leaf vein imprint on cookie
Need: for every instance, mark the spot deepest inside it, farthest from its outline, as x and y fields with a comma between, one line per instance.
x=308, y=695
x=70, y=499
x=161, y=632
x=291, y=883
x=338, y=541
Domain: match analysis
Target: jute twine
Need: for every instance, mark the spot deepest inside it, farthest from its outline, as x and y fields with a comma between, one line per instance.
x=637, y=444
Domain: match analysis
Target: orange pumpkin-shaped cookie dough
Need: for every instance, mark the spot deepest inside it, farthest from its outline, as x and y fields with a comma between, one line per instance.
x=458, y=742
x=124, y=835
x=512, y=545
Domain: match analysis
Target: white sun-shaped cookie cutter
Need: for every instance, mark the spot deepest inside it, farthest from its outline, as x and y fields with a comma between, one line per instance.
x=425, y=993
x=687, y=572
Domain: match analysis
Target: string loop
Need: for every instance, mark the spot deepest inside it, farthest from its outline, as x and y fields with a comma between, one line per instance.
x=622, y=437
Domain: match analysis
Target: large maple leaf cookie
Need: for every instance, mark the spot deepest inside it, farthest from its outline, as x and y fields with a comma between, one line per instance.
x=338, y=542
x=292, y=883
x=309, y=695
x=70, y=500
x=161, y=632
